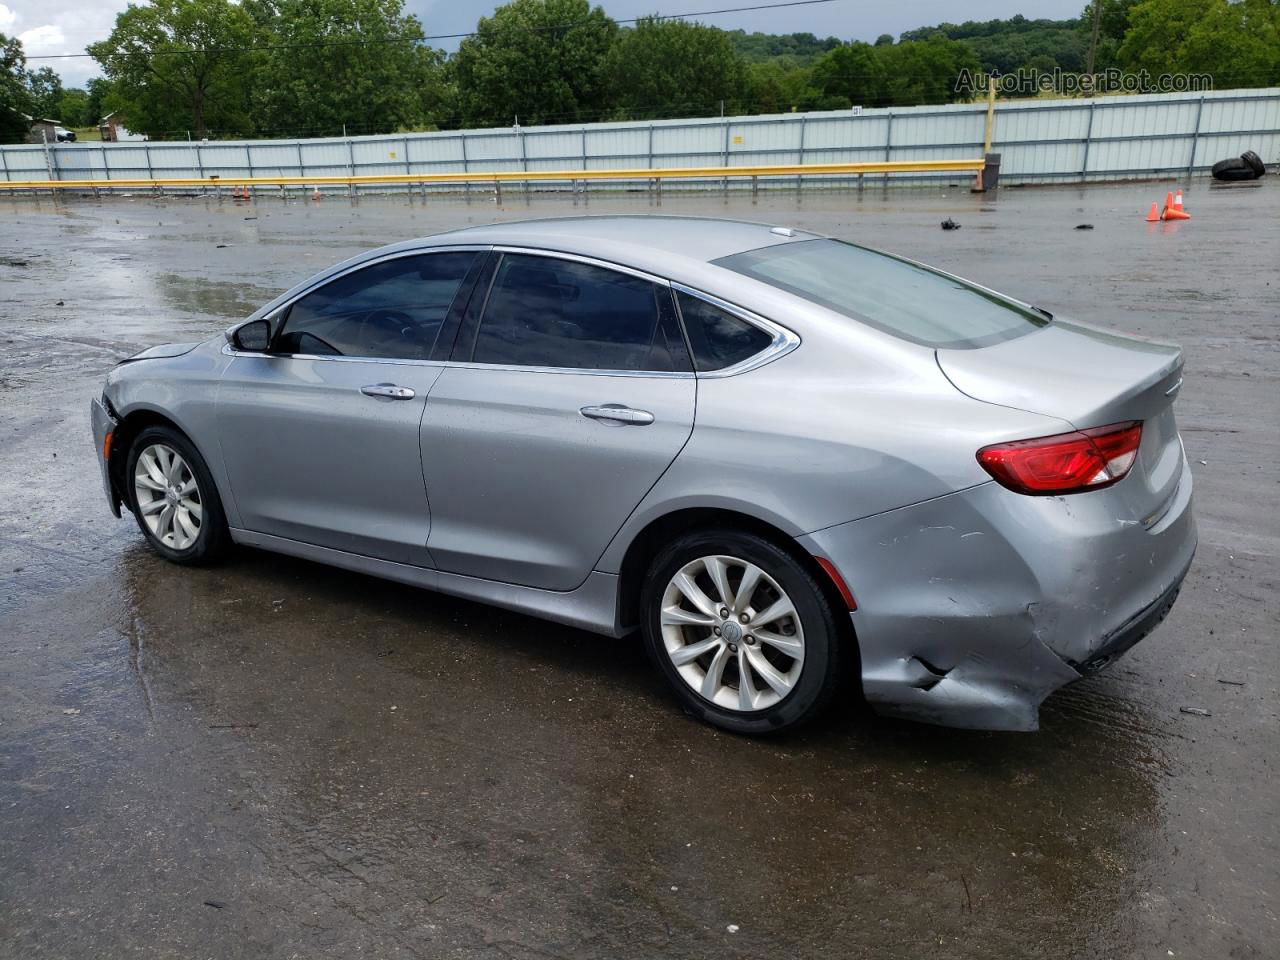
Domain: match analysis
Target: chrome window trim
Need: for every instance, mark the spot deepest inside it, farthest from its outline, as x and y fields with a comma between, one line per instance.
x=274, y=315
x=784, y=339
x=579, y=258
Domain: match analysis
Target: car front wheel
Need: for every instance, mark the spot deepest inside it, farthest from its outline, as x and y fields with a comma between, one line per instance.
x=744, y=632
x=174, y=499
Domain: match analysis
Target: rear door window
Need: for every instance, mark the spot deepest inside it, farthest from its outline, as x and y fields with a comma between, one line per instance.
x=901, y=298
x=550, y=312
x=390, y=310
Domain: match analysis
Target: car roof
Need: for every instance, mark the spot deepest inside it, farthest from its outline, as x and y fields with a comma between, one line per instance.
x=667, y=246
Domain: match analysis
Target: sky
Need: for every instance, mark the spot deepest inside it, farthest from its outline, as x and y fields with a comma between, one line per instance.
x=67, y=26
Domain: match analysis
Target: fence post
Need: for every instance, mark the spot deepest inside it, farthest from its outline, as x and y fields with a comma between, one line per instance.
x=50, y=164
x=800, y=150
x=524, y=156
x=1195, y=137
x=351, y=164
x=888, y=142
x=466, y=167
x=302, y=170
x=248, y=160
x=199, y=164
x=1088, y=139
x=584, y=147
x=724, y=181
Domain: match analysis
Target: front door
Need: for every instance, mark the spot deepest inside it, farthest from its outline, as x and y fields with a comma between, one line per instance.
x=320, y=435
x=568, y=398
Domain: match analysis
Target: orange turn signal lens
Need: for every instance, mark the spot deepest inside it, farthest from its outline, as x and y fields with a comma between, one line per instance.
x=106, y=446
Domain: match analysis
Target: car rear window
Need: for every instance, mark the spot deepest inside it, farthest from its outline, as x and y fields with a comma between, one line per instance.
x=901, y=298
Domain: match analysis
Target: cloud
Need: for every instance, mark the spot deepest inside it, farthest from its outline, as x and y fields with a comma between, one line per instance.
x=46, y=39
x=7, y=17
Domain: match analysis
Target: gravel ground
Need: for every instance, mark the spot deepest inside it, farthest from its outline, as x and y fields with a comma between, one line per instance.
x=277, y=759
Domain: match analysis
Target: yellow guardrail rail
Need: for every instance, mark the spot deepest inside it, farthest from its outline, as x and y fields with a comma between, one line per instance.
x=516, y=176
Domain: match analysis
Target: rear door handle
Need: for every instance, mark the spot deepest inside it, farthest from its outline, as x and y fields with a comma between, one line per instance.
x=387, y=390
x=619, y=414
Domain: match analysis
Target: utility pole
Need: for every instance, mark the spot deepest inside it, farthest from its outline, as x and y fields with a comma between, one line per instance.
x=1093, y=40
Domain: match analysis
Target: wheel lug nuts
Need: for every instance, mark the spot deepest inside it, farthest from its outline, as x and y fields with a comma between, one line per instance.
x=733, y=648
x=744, y=618
x=749, y=639
x=716, y=631
x=724, y=612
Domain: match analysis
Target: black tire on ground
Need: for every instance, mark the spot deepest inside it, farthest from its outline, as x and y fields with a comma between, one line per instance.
x=1254, y=161
x=214, y=539
x=822, y=667
x=1233, y=168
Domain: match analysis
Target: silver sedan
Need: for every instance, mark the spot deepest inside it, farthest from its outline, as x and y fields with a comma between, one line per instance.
x=789, y=460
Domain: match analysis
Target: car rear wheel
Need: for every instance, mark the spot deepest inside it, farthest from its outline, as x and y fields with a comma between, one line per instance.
x=174, y=499
x=744, y=632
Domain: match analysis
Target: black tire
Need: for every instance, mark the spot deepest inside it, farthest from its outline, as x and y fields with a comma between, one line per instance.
x=1233, y=168
x=1254, y=161
x=821, y=668
x=214, y=539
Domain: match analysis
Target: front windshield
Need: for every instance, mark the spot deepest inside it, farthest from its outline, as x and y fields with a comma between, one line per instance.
x=901, y=298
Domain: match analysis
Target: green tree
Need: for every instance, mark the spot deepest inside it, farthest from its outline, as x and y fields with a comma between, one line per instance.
x=46, y=93
x=665, y=68
x=778, y=86
x=180, y=65
x=853, y=74
x=15, y=97
x=100, y=95
x=925, y=71
x=73, y=108
x=538, y=60
x=1238, y=43
x=359, y=63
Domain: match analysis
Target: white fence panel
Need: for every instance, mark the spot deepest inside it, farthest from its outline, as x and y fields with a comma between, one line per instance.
x=1039, y=140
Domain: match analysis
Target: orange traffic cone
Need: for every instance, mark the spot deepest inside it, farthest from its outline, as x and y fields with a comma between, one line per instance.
x=1172, y=214
x=1177, y=200
x=1154, y=215
x=316, y=194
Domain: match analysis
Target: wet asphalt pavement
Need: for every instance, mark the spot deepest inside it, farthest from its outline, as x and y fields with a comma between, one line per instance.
x=276, y=759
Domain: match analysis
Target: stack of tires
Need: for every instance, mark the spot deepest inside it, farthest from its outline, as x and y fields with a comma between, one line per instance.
x=1247, y=166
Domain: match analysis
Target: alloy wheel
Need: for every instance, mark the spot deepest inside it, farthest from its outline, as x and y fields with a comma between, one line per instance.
x=168, y=496
x=732, y=633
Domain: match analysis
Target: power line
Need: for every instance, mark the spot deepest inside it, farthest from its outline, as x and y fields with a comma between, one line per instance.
x=437, y=36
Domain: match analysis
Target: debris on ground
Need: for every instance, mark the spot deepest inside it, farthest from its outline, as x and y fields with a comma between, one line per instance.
x=949, y=224
x=1247, y=166
x=216, y=904
x=732, y=928
x=1084, y=226
x=71, y=712
x=1231, y=683
x=1196, y=711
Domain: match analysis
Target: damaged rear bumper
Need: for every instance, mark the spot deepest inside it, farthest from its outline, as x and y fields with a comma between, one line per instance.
x=974, y=607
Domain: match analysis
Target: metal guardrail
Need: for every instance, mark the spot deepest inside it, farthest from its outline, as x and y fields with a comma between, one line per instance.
x=516, y=176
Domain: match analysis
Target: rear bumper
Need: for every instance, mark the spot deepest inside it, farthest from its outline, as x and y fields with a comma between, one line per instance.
x=974, y=607
x=103, y=423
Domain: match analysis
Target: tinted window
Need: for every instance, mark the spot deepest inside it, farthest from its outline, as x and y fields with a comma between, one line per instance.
x=901, y=298
x=391, y=310
x=718, y=339
x=546, y=312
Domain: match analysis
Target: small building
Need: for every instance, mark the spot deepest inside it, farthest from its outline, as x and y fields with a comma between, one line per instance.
x=43, y=130
x=112, y=128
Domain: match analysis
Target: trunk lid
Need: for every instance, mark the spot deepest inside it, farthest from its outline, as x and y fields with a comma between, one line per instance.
x=1090, y=378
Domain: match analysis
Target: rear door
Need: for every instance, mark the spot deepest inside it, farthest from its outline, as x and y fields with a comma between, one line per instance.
x=320, y=433
x=569, y=394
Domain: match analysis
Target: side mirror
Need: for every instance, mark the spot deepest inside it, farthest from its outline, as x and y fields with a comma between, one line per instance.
x=253, y=337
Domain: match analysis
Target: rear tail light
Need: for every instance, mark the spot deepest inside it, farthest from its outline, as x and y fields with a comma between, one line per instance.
x=1065, y=463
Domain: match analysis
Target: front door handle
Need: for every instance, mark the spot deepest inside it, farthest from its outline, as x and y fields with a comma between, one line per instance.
x=389, y=390
x=617, y=413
